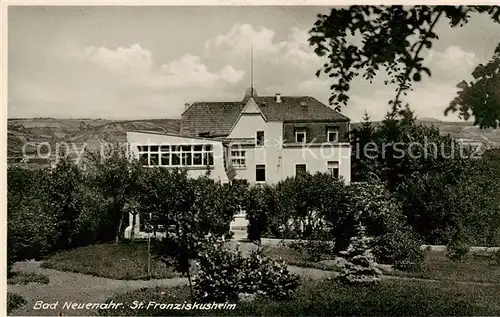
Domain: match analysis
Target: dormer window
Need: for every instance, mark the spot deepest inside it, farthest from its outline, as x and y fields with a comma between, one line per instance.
x=333, y=135
x=300, y=135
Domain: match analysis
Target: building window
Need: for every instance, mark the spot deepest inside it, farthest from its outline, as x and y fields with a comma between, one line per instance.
x=333, y=135
x=260, y=138
x=260, y=173
x=300, y=135
x=333, y=168
x=300, y=169
x=238, y=159
x=176, y=155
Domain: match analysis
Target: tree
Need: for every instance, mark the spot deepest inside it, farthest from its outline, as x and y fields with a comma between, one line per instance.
x=481, y=97
x=188, y=210
x=400, y=147
x=118, y=176
x=63, y=200
x=360, y=141
x=448, y=206
x=393, y=39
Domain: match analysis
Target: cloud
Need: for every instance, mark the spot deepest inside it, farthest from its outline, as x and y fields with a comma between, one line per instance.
x=122, y=60
x=240, y=39
x=452, y=63
x=293, y=52
x=135, y=66
x=231, y=75
x=187, y=71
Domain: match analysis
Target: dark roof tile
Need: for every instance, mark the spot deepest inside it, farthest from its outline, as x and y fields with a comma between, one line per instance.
x=217, y=118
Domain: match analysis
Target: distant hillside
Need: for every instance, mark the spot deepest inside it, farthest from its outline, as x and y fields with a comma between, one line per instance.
x=41, y=130
x=460, y=129
x=77, y=131
x=116, y=132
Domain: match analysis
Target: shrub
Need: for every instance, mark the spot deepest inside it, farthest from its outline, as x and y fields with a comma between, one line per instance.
x=313, y=250
x=464, y=197
x=378, y=210
x=272, y=278
x=295, y=207
x=399, y=248
x=496, y=257
x=457, y=250
x=218, y=275
x=224, y=274
x=14, y=301
x=95, y=223
x=259, y=207
x=31, y=231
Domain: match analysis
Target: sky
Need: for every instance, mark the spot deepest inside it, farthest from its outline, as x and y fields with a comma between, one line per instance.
x=148, y=62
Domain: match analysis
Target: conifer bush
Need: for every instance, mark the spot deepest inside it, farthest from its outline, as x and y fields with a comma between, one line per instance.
x=360, y=267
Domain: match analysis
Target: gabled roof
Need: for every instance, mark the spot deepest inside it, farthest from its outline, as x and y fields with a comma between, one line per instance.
x=217, y=118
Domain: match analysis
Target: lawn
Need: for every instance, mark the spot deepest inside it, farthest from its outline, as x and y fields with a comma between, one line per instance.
x=297, y=258
x=27, y=277
x=328, y=298
x=476, y=267
x=115, y=261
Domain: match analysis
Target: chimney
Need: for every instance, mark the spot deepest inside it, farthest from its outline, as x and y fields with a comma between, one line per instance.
x=278, y=97
x=186, y=106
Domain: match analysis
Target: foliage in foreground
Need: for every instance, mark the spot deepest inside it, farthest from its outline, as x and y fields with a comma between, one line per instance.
x=14, y=301
x=224, y=274
x=394, y=40
x=329, y=298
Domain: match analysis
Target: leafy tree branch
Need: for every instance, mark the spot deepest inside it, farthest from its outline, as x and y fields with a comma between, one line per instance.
x=393, y=39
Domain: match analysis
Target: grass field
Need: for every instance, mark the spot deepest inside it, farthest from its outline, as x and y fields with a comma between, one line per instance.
x=110, y=260
x=479, y=267
x=27, y=277
x=328, y=298
x=475, y=267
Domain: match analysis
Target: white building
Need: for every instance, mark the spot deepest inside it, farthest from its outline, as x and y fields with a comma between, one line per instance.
x=260, y=139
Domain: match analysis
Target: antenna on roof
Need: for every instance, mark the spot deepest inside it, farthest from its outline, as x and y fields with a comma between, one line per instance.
x=251, y=71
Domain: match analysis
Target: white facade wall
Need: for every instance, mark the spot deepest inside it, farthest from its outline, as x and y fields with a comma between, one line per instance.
x=316, y=158
x=269, y=155
x=279, y=159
